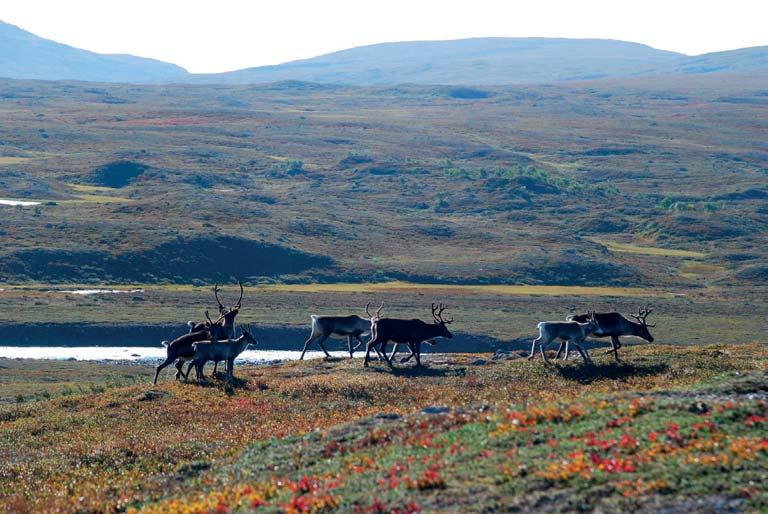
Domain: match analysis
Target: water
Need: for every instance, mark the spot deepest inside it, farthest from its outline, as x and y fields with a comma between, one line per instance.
x=23, y=203
x=141, y=354
x=87, y=292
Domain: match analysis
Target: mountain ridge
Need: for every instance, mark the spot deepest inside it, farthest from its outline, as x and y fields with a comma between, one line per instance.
x=24, y=55
x=470, y=61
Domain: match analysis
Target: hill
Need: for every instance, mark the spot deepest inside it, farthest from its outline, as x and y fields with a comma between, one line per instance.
x=625, y=182
x=465, y=61
x=475, y=61
x=26, y=56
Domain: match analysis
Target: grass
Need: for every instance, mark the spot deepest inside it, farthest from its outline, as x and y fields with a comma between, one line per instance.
x=437, y=289
x=650, y=250
x=12, y=160
x=301, y=434
x=85, y=188
x=395, y=215
x=29, y=379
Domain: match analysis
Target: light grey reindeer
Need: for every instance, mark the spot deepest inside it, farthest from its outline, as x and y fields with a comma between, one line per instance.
x=221, y=351
x=351, y=327
x=571, y=331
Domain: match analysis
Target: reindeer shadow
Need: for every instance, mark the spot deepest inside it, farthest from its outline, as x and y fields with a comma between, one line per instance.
x=612, y=371
x=423, y=371
x=219, y=382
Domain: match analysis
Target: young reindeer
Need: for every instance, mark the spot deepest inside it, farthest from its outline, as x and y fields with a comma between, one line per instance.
x=614, y=325
x=351, y=327
x=571, y=331
x=410, y=331
x=216, y=351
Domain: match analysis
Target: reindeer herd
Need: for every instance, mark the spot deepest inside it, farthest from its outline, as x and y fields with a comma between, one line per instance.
x=214, y=340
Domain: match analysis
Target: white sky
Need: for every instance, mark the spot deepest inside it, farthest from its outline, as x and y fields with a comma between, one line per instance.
x=221, y=35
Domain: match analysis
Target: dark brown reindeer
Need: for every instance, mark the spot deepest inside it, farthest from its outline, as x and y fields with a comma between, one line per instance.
x=351, y=327
x=410, y=331
x=614, y=325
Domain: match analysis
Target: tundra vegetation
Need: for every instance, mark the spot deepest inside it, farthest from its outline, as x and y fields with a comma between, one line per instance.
x=682, y=427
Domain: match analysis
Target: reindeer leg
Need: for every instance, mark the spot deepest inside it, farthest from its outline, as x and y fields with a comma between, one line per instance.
x=409, y=357
x=179, y=365
x=584, y=354
x=560, y=350
x=215, y=367
x=322, y=347
x=533, y=347
x=541, y=349
x=615, y=345
x=306, y=345
x=371, y=344
x=359, y=343
x=189, y=368
x=567, y=350
x=417, y=351
x=351, y=350
x=159, y=368
x=394, y=351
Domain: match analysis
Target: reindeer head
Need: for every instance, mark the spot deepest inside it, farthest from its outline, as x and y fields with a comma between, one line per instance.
x=592, y=322
x=437, y=314
x=643, y=328
x=246, y=332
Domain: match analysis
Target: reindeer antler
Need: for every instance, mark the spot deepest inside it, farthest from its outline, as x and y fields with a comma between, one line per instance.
x=239, y=300
x=216, y=295
x=439, y=314
x=378, y=311
x=642, y=314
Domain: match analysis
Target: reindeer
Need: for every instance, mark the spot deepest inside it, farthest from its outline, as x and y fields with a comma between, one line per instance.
x=614, y=325
x=410, y=331
x=571, y=331
x=216, y=351
x=351, y=327
x=226, y=319
x=180, y=349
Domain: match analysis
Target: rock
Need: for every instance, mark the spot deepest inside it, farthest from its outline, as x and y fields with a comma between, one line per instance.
x=479, y=362
x=435, y=410
x=386, y=416
x=504, y=355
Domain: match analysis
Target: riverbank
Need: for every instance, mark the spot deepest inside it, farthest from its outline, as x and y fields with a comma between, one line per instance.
x=269, y=337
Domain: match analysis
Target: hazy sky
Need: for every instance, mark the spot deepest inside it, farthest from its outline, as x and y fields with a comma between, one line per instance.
x=209, y=36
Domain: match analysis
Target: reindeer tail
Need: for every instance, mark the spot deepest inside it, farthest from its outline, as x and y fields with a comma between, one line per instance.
x=191, y=324
x=166, y=343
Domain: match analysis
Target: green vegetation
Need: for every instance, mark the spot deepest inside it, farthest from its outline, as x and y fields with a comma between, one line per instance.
x=671, y=425
x=524, y=177
x=401, y=183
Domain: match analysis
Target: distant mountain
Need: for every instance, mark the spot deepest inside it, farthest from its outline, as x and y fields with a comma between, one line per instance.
x=477, y=61
x=26, y=56
x=731, y=61
x=466, y=61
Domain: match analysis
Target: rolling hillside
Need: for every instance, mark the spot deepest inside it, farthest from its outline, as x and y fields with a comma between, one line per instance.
x=26, y=56
x=476, y=61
